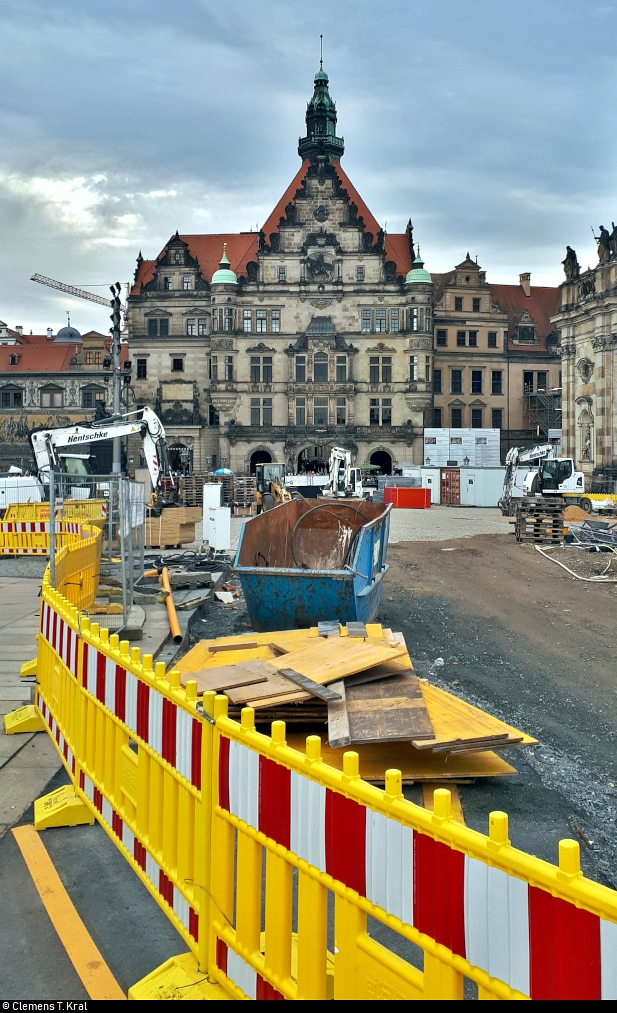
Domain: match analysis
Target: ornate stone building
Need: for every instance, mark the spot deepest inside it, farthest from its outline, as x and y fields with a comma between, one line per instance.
x=496, y=356
x=279, y=344
x=49, y=380
x=587, y=321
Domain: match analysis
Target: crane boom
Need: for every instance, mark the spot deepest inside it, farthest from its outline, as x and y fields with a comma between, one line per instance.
x=79, y=293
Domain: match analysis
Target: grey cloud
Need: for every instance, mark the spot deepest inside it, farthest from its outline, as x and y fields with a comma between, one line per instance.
x=492, y=125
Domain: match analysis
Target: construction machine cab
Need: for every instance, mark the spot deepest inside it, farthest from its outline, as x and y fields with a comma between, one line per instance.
x=266, y=474
x=271, y=490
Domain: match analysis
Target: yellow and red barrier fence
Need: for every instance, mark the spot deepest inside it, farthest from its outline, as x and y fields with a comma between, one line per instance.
x=194, y=801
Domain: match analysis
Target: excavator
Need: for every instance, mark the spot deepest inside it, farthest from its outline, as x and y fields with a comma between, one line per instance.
x=66, y=449
x=555, y=476
x=345, y=480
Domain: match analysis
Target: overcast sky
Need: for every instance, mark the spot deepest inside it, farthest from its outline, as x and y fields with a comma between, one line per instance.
x=491, y=123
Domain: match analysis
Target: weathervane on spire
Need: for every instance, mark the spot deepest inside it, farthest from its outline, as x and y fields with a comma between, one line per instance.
x=321, y=52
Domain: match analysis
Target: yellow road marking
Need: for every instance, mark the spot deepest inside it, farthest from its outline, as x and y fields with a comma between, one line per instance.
x=97, y=979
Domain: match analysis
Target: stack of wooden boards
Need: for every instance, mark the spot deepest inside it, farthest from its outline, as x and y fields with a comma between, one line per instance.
x=173, y=526
x=360, y=681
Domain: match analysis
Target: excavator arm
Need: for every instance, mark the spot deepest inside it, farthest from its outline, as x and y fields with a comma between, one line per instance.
x=47, y=442
x=514, y=457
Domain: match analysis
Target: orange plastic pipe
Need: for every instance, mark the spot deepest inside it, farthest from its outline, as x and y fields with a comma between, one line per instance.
x=174, y=625
x=151, y=573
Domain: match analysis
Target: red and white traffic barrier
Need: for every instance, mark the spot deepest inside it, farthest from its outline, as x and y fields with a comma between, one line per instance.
x=168, y=729
x=55, y=731
x=151, y=869
x=542, y=946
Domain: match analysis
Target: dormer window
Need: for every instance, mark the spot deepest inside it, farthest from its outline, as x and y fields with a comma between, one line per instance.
x=177, y=257
x=13, y=360
x=167, y=283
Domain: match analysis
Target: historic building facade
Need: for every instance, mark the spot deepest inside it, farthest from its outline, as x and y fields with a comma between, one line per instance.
x=587, y=322
x=48, y=380
x=316, y=331
x=496, y=356
x=321, y=330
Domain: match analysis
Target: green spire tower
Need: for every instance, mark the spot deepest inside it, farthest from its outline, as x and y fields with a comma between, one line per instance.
x=321, y=136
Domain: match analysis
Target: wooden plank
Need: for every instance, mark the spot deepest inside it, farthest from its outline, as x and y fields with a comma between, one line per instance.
x=322, y=692
x=457, y=723
x=428, y=790
x=376, y=758
x=238, y=645
x=389, y=710
x=228, y=676
x=276, y=685
x=338, y=720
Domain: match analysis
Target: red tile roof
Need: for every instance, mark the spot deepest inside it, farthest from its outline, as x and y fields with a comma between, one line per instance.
x=271, y=223
x=37, y=355
x=371, y=223
x=208, y=249
x=242, y=247
x=397, y=249
x=542, y=304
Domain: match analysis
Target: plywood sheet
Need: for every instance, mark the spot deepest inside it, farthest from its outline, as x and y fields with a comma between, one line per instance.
x=415, y=765
x=458, y=725
x=201, y=655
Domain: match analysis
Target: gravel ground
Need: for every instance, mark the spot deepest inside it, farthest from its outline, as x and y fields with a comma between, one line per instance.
x=506, y=629
x=441, y=523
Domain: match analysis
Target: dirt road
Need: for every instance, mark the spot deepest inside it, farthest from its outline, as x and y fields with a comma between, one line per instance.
x=520, y=636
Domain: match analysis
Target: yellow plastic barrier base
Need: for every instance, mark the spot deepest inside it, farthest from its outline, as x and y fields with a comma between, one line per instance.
x=61, y=808
x=24, y=719
x=178, y=978
x=28, y=668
